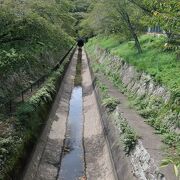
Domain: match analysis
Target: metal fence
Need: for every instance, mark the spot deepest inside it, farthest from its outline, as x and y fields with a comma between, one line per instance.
x=9, y=107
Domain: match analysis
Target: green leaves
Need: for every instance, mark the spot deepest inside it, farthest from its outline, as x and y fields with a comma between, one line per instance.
x=33, y=36
x=173, y=160
x=43, y=96
x=110, y=103
x=129, y=136
x=10, y=60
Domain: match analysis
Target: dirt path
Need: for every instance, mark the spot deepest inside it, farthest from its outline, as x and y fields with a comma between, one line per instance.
x=45, y=160
x=151, y=141
x=98, y=162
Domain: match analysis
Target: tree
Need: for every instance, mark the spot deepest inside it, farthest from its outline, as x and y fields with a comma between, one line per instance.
x=115, y=16
x=164, y=13
x=34, y=34
x=123, y=8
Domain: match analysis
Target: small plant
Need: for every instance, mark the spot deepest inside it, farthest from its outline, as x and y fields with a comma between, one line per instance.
x=129, y=136
x=171, y=139
x=110, y=103
x=103, y=88
x=173, y=158
x=130, y=139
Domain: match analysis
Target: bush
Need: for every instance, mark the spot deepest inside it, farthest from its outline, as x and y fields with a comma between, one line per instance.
x=110, y=103
x=29, y=121
x=129, y=136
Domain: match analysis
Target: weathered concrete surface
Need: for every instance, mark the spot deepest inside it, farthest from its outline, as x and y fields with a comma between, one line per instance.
x=97, y=157
x=122, y=163
x=146, y=157
x=138, y=82
x=46, y=157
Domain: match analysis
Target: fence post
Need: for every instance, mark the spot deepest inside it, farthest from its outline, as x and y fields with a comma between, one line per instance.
x=22, y=94
x=10, y=106
x=38, y=83
x=31, y=87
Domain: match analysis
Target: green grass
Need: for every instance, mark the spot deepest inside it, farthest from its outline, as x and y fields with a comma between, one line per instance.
x=160, y=64
x=128, y=136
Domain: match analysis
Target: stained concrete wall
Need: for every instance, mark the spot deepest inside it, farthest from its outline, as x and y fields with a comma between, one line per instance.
x=139, y=165
x=140, y=83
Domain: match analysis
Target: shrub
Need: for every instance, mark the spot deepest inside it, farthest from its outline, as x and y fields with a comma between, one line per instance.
x=110, y=103
x=29, y=121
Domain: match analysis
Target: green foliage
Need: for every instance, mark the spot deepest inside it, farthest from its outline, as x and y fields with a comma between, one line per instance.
x=110, y=103
x=161, y=65
x=79, y=11
x=129, y=136
x=107, y=101
x=10, y=61
x=107, y=17
x=26, y=126
x=164, y=13
x=34, y=35
x=44, y=96
x=171, y=139
x=130, y=140
x=103, y=88
x=173, y=158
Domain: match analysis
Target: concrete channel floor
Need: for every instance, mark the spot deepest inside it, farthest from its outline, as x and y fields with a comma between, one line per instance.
x=45, y=160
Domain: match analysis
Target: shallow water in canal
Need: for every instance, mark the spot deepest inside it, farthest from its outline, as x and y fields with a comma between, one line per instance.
x=72, y=163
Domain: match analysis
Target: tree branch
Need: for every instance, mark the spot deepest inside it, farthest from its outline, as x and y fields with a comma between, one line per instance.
x=13, y=39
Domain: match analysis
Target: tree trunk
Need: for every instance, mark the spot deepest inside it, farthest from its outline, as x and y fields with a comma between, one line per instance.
x=133, y=33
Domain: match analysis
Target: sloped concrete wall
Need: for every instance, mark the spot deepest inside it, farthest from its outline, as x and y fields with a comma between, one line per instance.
x=139, y=83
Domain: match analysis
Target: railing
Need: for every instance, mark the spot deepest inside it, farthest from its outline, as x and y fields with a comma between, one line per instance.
x=9, y=107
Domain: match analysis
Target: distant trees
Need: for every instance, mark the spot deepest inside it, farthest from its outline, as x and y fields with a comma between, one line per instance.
x=79, y=9
x=34, y=34
x=132, y=17
x=115, y=16
x=164, y=13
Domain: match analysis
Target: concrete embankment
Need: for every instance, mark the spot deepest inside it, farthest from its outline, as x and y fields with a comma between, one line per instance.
x=97, y=155
x=145, y=159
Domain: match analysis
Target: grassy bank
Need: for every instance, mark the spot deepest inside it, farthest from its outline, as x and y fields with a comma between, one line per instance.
x=156, y=59
x=21, y=131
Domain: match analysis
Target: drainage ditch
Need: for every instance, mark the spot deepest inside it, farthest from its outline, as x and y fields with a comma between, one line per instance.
x=72, y=165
